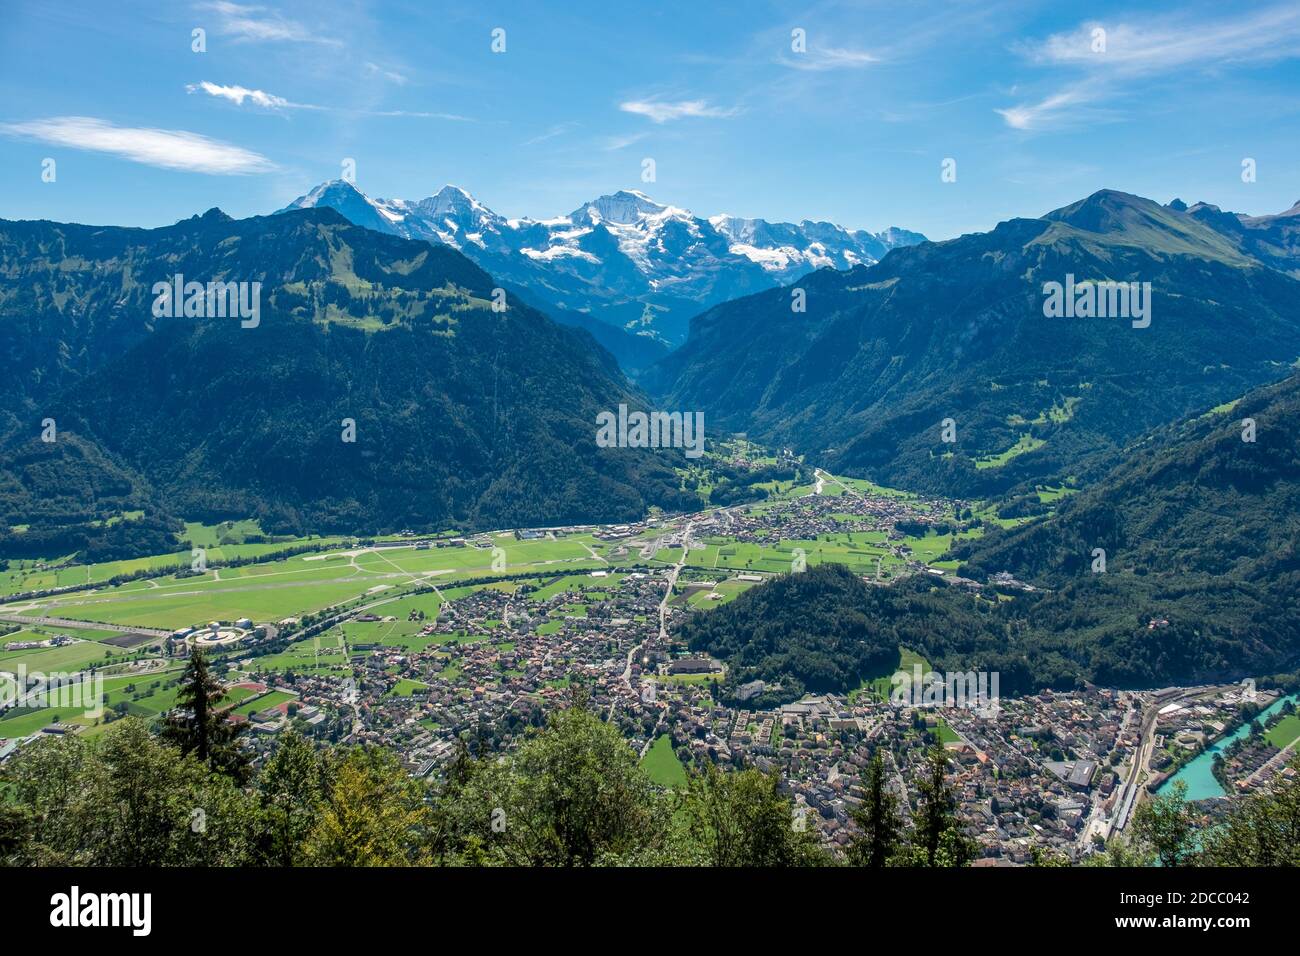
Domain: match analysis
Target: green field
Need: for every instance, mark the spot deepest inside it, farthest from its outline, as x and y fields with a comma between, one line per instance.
x=728, y=590
x=1026, y=443
x=22, y=724
x=258, y=704
x=38, y=575
x=401, y=632
x=324, y=653
x=307, y=583
x=1047, y=494
x=406, y=687
x=1285, y=731
x=945, y=733
x=929, y=548
x=880, y=685
x=69, y=657
x=661, y=764
x=859, y=550
x=143, y=695
x=863, y=486
x=575, y=583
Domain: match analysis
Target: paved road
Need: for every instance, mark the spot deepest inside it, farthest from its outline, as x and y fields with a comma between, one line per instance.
x=94, y=625
x=663, y=615
x=1131, y=788
x=672, y=582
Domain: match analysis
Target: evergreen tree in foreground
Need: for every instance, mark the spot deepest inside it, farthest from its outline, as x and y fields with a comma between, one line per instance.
x=198, y=727
x=937, y=839
x=293, y=786
x=877, y=819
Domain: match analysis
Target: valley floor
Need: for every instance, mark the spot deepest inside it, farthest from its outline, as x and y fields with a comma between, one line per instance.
x=412, y=642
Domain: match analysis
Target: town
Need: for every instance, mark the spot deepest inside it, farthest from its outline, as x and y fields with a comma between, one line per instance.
x=426, y=662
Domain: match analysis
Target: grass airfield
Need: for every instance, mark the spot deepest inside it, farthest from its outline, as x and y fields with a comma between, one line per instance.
x=403, y=586
x=305, y=583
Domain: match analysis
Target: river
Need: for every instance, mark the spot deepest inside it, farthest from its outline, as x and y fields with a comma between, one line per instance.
x=1199, y=775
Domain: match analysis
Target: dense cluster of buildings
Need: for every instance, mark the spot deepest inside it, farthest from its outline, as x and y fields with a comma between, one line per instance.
x=1054, y=771
x=1040, y=771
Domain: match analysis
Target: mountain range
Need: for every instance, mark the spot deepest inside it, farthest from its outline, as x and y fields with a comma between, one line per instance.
x=956, y=332
x=1273, y=239
x=381, y=389
x=622, y=260
x=461, y=414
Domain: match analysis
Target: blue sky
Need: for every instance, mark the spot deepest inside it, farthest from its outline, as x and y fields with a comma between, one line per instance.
x=853, y=128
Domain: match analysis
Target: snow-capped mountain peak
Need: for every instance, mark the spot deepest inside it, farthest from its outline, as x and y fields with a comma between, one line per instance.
x=327, y=192
x=456, y=201
x=623, y=257
x=354, y=205
x=625, y=207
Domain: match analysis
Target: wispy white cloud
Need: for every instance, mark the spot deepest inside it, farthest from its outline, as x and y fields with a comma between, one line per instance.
x=164, y=148
x=239, y=94
x=374, y=69
x=613, y=143
x=1161, y=46
x=1113, y=56
x=661, y=111
x=559, y=129
x=1052, y=110
x=413, y=114
x=256, y=24
x=820, y=59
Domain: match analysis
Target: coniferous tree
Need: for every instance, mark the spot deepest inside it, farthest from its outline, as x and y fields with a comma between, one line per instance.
x=938, y=839
x=877, y=819
x=198, y=727
x=293, y=786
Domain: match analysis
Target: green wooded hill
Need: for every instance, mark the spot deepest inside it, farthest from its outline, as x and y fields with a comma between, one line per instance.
x=806, y=631
x=862, y=380
x=1200, y=528
x=463, y=415
x=825, y=630
x=1201, y=533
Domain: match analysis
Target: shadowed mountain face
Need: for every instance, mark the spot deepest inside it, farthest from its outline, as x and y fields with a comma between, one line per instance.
x=640, y=268
x=77, y=297
x=461, y=414
x=1273, y=240
x=865, y=377
x=1199, y=530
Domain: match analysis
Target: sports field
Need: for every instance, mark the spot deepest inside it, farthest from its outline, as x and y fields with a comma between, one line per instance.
x=1286, y=731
